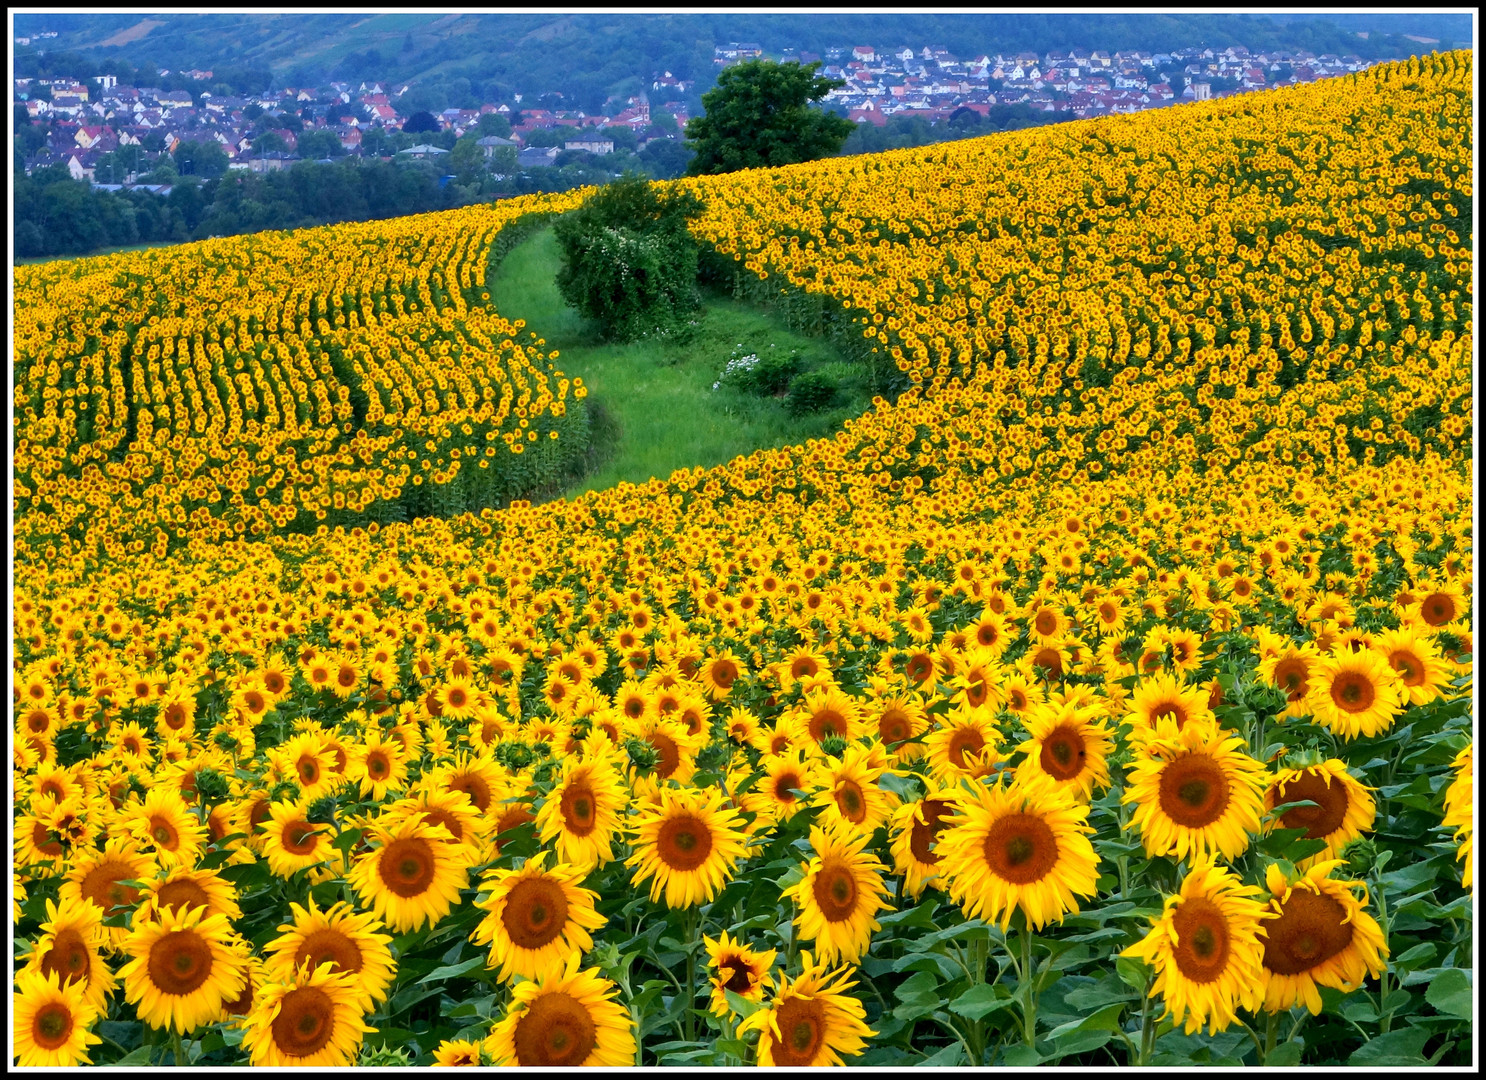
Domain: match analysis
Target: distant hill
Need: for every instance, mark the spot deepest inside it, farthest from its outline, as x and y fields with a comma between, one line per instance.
x=590, y=57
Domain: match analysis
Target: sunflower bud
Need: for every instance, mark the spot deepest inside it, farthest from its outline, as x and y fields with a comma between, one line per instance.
x=211, y=785
x=322, y=811
x=833, y=745
x=642, y=756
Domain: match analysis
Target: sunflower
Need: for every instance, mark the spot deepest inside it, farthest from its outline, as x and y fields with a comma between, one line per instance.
x=739, y=969
x=564, y=1017
x=411, y=878
x=477, y=776
x=810, y=1020
x=537, y=918
x=1291, y=670
x=687, y=844
x=914, y=827
x=774, y=796
x=1355, y=693
x=183, y=968
x=50, y=1019
x=675, y=747
x=1018, y=845
x=457, y=1052
x=900, y=721
x=1438, y=605
x=291, y=842
x=313, y=1019
x=164, y=825
x=378, y=765
x=1421, y=669
x=826, y=712
x=99, y=877
x=1195, y=791
x=1320, y=935
x=1205, y=948
x=68, y=947
x=581, y=814
x=847, y=790
x=1344, y=810
x=719, y=672
x=308, y=762
x=840, y=893
x=1067, y=746
x=1460, y=810
x=348, y=941
x=964, y=744
x=1166, y=695
x=182, y=888
x=468, y=829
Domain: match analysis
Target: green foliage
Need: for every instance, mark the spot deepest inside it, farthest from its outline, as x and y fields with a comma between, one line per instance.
x=766, y=373
x=812, y=392
x=759, y=115
x=628, y=261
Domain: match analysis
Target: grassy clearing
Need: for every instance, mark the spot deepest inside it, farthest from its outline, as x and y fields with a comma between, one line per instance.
x=31, y=260
x=652, y=403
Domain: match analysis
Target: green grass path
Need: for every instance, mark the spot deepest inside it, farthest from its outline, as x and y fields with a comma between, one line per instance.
x=659, y=394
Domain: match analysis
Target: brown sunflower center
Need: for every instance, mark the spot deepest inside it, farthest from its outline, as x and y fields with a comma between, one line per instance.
x=826, y=722
x=1049, y=660
x=377, y=765
x=1292, y=676
x=724, y=673
x=919, y=667
x=1046, y=622
x=921, y=836
x=52, y=1026
x=516, y=816
x=102, y=886
x=328, y=945
x=1201, y=939
x=1194, y=791
x=300, y=838
x=669, y=754
x=305, y=1022
x=893, y=726
x=43, y=841
x=1320, y=820
x=1437, y=608
x=783, y=785
x=407, y=866
x=964, y=740
x=182, y=894
x=180, y=962
x=1408, y=666
x=735, y=974
x=802, y=1027
x=1308, y=932
x=1353, y=691
x=474, y=787
x=1063, y=753
x=835, y=890
x=851, y=802
x=67, y=958
x=1021, y=848
x=577, y=806
x=164, y=833
x=308, y=769
x=555, y=1030
x=535, y=913
x=683, y=842
x=1174, y=709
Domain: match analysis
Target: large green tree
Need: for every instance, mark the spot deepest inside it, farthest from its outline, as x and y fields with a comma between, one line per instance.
x=760, y=114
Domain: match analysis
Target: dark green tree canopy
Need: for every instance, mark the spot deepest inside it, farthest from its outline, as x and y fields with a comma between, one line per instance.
x=760, y=115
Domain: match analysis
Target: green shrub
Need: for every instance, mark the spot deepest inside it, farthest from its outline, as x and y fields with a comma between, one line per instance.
x=766, y=373
x=812, y=392
x=628, y=261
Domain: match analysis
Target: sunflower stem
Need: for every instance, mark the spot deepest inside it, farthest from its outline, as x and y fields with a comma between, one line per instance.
x=1029, y=987
x=1147, y=1023
x=1271, y=1029
x=691, y=919
x=180, y=1054
x=1295, y=1027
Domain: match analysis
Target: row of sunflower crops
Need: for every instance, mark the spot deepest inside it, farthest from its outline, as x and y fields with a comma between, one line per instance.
x=1106, y=698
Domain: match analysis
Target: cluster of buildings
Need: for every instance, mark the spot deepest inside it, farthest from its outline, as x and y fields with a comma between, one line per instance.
x=932, y=83
x=85, y=120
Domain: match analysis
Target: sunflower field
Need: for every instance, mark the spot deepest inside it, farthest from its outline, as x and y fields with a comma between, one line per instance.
x=1103, y=696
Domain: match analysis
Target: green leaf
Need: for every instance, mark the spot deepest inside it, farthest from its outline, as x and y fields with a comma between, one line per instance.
x=1451, y=993
x=923, y=982
x=1404, y=1047
x=1133, y=973
x=138, y=1056
x=945, y=1056
x=1286, y=1054
x=1022, y=1057
x=980, y=1000
x=451, y=971
x=346, y=840
x=741, y=1005
x=1106, y=1019
x=1418, y=956
x=919, y=915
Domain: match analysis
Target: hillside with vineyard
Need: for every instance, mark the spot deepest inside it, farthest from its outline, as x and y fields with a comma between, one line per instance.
x=1102, y=696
